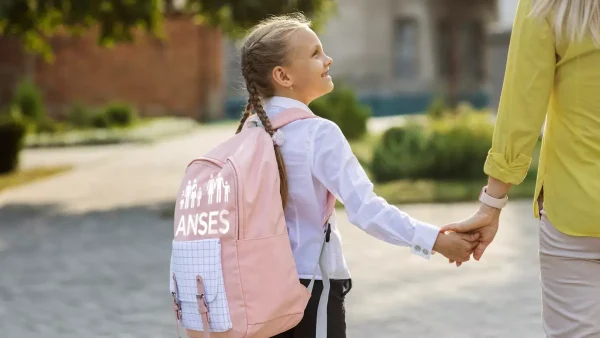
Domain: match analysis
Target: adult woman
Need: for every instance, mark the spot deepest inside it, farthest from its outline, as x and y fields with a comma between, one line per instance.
x=553, y=73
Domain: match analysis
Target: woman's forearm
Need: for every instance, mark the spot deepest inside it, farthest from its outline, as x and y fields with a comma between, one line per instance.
x=497, y=188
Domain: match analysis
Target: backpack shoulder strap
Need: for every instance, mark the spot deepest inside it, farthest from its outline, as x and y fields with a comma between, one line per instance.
x=294, y=114
x=290, y=115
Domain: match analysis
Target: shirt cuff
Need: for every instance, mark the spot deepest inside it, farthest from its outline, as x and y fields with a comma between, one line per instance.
x=514, y=173
x=424, y=239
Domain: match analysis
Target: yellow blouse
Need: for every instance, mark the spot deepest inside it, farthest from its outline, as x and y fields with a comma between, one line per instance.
x=559, y=82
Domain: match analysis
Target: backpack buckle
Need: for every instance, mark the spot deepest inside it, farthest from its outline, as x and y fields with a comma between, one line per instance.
x=202, y=305
x=176, y=306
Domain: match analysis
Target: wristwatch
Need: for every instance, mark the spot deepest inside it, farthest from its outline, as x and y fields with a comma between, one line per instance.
x=490, y=201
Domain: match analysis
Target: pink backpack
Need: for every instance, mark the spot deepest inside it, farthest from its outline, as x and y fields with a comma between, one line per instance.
x=232, y=269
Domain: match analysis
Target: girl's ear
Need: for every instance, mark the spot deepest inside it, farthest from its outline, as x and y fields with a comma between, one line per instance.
x=281, y=77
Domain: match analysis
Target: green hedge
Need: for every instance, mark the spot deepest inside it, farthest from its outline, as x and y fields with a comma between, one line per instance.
x=451, y=147
x=115, y=114
x=28, y=99
x=343, y=107
x=80, y=116
x=120, y=114
x=12, y=135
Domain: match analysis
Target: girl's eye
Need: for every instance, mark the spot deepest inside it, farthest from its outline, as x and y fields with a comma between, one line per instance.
x=315, y=52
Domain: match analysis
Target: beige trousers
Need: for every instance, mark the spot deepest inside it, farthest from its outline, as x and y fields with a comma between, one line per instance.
x=570, y=280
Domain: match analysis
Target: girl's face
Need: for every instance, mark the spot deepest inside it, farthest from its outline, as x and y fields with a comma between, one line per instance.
x=306, y=77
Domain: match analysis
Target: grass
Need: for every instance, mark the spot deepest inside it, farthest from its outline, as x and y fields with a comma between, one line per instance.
x=21, y=177
x=432, y=191
x=144, y=131
x=435, y=191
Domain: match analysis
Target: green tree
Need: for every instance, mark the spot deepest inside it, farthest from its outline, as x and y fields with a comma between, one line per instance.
x=36, y=20
x=235, y=16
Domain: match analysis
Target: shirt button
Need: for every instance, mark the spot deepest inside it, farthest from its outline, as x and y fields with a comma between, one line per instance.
x=417, y=248
x=425, y=251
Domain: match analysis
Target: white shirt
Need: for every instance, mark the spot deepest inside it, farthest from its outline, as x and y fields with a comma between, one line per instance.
x=318, y=158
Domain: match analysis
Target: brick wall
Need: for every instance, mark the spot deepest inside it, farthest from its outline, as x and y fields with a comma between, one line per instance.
x=181, y=75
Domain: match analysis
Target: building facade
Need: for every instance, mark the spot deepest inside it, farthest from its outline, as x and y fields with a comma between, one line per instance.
x=399, y=54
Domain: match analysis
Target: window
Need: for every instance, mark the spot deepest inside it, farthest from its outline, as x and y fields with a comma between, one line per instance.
x=406, y=48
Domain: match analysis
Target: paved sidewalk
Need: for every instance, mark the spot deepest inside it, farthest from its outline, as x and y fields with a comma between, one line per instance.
x=85, y=254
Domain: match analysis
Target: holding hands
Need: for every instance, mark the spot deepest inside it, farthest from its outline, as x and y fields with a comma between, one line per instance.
x=483, y=223
x=455, y=246
x=457, y=241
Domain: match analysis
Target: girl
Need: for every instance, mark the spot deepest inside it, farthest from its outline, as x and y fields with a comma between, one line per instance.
x=284, y=66
x=553, y=72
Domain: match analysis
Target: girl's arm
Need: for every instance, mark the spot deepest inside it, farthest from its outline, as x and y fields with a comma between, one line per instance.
x=336, y=167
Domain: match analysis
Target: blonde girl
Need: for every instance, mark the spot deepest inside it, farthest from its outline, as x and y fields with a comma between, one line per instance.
x=284, y=66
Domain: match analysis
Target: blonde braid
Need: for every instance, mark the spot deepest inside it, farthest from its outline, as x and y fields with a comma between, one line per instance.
x=283, y=188
x=245, y=114
x=266, y=47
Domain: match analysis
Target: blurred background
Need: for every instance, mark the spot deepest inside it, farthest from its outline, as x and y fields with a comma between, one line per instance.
x=104, y=102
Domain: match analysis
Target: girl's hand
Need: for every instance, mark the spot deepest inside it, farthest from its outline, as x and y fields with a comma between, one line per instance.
x=457, y=247
x=483, y=222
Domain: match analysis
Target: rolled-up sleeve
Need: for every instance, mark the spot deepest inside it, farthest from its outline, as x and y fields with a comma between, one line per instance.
x=526, y=91
x=336, y=167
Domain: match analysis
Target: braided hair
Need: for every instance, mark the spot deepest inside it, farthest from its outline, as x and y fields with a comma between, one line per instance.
x=266, y=47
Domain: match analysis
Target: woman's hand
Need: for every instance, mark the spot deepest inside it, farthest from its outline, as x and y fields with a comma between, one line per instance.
x=483, y=222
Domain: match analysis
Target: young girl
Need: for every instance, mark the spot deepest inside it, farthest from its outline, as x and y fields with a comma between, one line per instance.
x=284, y=66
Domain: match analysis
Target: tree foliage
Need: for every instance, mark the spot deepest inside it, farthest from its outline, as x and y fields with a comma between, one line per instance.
x=236, y=16
x=36, y=20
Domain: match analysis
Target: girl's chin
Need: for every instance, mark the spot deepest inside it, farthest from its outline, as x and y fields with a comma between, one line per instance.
x=330, y=87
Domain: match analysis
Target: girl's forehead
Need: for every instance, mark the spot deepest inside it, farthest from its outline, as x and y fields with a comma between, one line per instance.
x=304, y=38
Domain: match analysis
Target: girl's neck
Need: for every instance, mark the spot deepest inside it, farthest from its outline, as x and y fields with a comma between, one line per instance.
x=289, y=93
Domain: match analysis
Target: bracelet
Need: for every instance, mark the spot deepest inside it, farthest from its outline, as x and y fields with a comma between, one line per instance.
x=490, y=201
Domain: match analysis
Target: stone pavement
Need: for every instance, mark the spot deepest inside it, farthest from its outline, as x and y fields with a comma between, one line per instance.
x=85, y=254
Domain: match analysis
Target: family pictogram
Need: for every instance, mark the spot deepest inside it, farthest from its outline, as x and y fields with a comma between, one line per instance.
x=216, y=188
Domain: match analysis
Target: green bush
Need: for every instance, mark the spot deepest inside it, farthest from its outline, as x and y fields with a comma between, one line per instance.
x=114, y=115
x=447, y=148
x=12, y=136
x=80, y=116
x=343, y=107
x=399, y=154
x=28, y=99
x=48, y=125
x=120, y=114
x=437, y=108
x=100, y=120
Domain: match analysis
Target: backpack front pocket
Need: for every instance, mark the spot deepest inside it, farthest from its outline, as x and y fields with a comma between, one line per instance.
x=200, y=258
